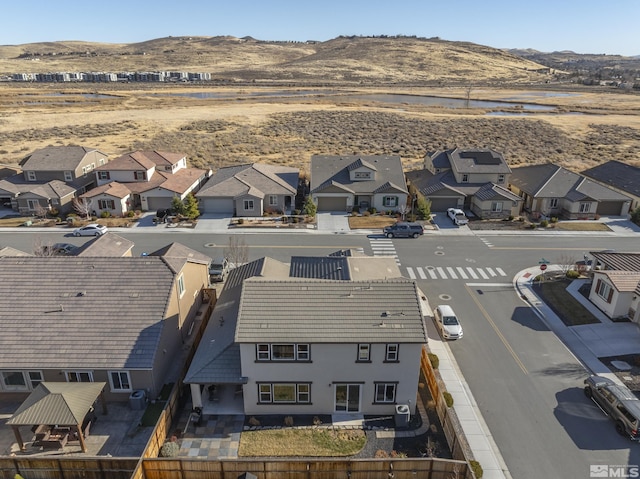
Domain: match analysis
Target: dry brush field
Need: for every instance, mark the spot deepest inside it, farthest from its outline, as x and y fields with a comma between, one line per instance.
x=288, y=130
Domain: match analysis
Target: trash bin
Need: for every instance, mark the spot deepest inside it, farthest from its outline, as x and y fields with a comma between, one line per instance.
x=402, y=415
x=138, y=399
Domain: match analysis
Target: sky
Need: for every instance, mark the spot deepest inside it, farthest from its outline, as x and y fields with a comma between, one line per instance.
x=584, y=26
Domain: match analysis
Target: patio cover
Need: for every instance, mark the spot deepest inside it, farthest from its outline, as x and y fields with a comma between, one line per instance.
x=60, y=403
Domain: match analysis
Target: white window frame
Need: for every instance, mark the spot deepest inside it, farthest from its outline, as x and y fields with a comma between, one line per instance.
x=13, y=387
x=301, y=393
x=106, y=204
x=585, y=207
x=140, y=175
x=553, y=202
x=381, y=390
x=391, y=354
x=390, y=201
x=465, y=178
x=104, y=175
x=120, y=376
x=364, y=353
x=32, y=204
x=248, y=205
x=301, y=352
x=496, y=206
x=273, y=200
x=603, y=289
x=68, y=176
x=78, y=375
x=500, y=178
x=31, y=176
x=181, y=287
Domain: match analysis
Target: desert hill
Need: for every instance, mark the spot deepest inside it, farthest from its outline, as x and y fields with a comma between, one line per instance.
x=343, y=59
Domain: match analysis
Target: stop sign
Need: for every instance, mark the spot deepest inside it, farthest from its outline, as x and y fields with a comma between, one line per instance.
x=543, y=267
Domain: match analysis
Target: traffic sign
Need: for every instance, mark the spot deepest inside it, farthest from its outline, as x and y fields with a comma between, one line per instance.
x=543, y=267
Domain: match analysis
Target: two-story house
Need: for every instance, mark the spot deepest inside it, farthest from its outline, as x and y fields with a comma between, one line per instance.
x=475, y=180
x=342, y=183
x=339, y=345
x=104, y=321
x=51, y=178
x=146, y=180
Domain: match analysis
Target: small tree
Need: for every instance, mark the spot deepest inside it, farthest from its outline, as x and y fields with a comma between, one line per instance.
x=82, y=206
x=403, y=210
x=423, y=206
x=309, y=208
x=635, y=216
x=42, y=248
x=191, y=207
x=177, y=206
x=566, y=262
x=237, y=251
x=40, y=211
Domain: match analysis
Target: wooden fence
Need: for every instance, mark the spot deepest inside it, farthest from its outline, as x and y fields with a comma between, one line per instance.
x=67, y=468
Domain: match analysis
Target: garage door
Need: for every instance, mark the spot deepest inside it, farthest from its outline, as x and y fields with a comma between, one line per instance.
x=609, y=208
x=218, y=205
x=442, y=204
x=331, y=203
x=155, y=203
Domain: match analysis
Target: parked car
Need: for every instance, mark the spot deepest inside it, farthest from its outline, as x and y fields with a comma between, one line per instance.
x=218, y=269
x=403, y=230
x=63, y=248
x=93, y=229
x=447, y=322
x=617, y=402
x=457, y=216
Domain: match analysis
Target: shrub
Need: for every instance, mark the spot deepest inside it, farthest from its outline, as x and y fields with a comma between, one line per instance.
x=434, y=360
x=448, y=398
x=316, y=421
x=130, y=214
x=397, y=454
x=476, y=468
x=554, y=219
x=423, y=207
x=354, y=213
x=241, y=221
x=296, y=212
x=169, y=449
x=288, y=421
x=532, y=226
x=105, y=214
x=510, y=217
x=381, y=454
x=372, y=210
x=366, y=213
x=544, y=224
x=572, y=274
x=309, y=208
x=253, y=421
x=635, y=216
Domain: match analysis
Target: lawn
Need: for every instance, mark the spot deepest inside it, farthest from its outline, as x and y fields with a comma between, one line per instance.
x=371, y=221
x=568, y=309
x=301, y=442
x=581, y=226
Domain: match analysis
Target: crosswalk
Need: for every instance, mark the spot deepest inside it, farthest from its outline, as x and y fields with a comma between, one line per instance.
x=384, y=247
x=454, y=272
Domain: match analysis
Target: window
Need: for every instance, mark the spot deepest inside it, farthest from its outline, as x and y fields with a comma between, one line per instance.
x=585, y=207
x=181, y=288
x=553, y=203
x=364, y=352
x=496, y=207
x=101, y=162
x=13, y=381
x=140, y=175
x=390, y=201
x=31, y=176
x=604, y=290
x=392, y=353
x=33, y=204
x=363, y=175
x=68, y=176
x=273, y=200
x=79, y=376
x=35, y=378
x=119, y=380
x=283, y=352
x=386, y=392
x=104, y=175
x=500, y=178
x=106, y=204
x=465, y=178
x=289, y=393
x=248, y=205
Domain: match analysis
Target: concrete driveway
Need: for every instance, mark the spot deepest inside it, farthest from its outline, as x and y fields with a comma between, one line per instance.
x=335, y=221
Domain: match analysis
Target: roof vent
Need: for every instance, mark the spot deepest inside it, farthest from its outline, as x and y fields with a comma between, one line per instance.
x=82, y=293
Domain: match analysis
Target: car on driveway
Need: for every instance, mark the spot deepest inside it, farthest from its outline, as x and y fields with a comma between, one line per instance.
x=617, y=402
x=92, y=229
x=403, y=230
x=447, y=322
x=218, y=269
x=457, y=216
x=62, y=249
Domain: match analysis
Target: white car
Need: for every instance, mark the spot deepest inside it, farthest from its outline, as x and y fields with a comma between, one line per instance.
x=447, y=322
x=93, y=229
x=457, y=216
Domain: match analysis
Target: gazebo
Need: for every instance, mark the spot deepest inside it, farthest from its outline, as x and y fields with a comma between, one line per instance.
x=63, y=405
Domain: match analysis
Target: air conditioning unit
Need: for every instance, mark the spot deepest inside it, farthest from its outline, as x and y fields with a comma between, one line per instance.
x=138, y=399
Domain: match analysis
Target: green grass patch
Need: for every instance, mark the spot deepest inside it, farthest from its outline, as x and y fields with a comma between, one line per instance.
x=568, y=309
x=165, y=392
x=152, y=413
x=579, y=226
x=301, y=442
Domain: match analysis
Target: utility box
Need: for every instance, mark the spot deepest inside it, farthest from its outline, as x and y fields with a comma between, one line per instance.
x=138, y=399
x=403, y=415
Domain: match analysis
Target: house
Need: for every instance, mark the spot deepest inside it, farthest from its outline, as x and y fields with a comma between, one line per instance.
x=68, y=164
x=344, y=183
x=473, y=179
x=615, y=289
x=29, y=198
x=620, y=177
x=250, y=190
x=553, y=191
x=344, y=344
x=152, y=178
x=108, y=244
x=104, y=322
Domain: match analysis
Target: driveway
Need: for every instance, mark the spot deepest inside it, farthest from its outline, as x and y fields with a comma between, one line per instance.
x=213, y=223
x=336, y=221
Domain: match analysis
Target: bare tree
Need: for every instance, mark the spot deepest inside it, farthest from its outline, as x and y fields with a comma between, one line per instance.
x=82, y=206
x=40, y=211
x=42, y=248
x=403, y=210
x=566, y=262
x=237, y=251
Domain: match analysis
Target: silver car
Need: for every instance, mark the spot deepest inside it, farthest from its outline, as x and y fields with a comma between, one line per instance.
x=92, y=229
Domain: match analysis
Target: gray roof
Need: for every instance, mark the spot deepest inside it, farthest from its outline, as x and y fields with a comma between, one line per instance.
x=17, y=185
x=490, y=191
x=326, y=311
x=618, y=261
x=109, y=244
x=552, y=181
x=471, y=161
x=256, y=179
x=617, y=174
x=440, y=160
x=62, y=403
x=56, y=158
x=75, y=312
x=319, y=267
x=9, y=251
x=176, y=255
x=334, y=170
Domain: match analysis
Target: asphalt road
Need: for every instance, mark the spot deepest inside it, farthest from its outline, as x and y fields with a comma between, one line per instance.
x=526, y=383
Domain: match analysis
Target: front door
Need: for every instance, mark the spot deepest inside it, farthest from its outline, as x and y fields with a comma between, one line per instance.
x=347, y=397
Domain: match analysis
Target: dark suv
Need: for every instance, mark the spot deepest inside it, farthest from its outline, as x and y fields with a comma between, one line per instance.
x=617, y=402
x=404, y=230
